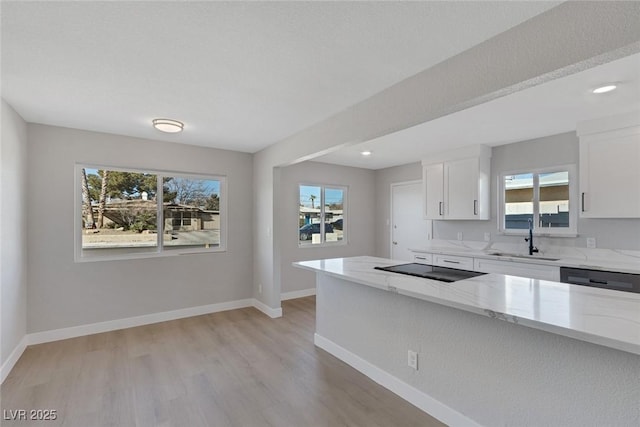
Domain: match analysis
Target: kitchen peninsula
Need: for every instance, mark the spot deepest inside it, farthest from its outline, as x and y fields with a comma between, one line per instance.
x=492, y=349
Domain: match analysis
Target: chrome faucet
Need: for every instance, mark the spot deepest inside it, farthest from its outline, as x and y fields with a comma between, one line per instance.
x=532, y=249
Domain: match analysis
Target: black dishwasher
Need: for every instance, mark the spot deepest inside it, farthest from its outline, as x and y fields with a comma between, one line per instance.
x=627, y=282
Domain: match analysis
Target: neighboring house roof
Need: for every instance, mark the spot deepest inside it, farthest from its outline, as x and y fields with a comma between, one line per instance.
x=138, y=203
x=304, y=209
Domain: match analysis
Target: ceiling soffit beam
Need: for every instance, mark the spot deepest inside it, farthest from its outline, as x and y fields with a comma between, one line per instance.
x=567, y=39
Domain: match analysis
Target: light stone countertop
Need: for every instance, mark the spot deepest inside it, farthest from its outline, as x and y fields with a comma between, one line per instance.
x=623, y=261
x=600, y=316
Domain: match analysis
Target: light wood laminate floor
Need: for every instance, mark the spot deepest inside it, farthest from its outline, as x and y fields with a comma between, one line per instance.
x=234, y=368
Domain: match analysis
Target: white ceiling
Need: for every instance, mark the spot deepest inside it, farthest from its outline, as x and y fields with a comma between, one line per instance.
x=240, y=75
x=548, y=109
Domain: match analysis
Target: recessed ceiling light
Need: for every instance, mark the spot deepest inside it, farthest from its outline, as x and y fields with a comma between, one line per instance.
x=168, y=125
x=366, y=153
x=604, y=89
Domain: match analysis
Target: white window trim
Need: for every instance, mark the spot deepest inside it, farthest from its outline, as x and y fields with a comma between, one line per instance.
x=159, y=251
x=571, y=231
x=345, y=216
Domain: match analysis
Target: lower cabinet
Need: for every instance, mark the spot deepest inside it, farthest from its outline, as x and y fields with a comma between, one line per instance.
x=532, y=271
x=422, y=258
x=513, y=268
x=453, y=261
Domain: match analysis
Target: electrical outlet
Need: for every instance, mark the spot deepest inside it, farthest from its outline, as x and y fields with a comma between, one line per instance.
x=487, y=237
x=459, y=235
x=260, y=288
x=412, y=360
x=591, y=242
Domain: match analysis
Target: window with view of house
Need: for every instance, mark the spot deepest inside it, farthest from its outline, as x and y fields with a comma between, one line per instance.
x=542, y=198
x=321, y=215
x=124, y=213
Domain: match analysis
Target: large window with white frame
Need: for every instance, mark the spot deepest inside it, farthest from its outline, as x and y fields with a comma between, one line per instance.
x=321, y=215
x=125, y=213
x=544, y=199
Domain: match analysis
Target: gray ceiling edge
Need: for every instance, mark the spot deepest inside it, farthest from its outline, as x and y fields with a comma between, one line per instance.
x=567, y=39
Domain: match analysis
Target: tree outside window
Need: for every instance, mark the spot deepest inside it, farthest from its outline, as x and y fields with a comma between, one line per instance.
x=125, y=212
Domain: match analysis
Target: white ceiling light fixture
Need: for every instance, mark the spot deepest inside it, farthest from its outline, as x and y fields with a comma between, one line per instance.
x=365, y=153
x=168, y=125
x=605, y=89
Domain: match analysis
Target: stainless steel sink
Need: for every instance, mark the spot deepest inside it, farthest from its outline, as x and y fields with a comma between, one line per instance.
x=523, y=256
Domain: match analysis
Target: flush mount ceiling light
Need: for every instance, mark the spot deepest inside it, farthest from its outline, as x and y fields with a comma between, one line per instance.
x=604, y=89
x=365, y=153
x=168, y=125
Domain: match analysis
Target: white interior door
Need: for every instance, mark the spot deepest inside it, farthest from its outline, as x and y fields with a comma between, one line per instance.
x=409, y=229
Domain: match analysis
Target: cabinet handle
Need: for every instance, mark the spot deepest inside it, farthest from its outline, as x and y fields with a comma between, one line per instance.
x=421, y=257
x=440, y=208
x=451, y=262
x=475, y=207
x=582, y=202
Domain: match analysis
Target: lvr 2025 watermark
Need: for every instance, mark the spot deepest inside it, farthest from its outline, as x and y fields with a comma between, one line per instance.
x=29, y=414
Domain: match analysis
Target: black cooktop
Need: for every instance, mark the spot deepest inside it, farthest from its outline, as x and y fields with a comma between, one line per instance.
x=443, y=274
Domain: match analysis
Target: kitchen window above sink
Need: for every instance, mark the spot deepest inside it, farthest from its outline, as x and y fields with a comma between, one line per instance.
x=546, y=197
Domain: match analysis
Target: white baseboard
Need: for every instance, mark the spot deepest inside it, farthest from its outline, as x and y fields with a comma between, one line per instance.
x=130, y=322
x=409, y=393
x=11, y=361
x=271, y=312
x=298, y=294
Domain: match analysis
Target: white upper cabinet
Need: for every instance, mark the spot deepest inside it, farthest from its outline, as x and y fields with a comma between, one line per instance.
x=610, y=167
x=456, y=184
x=433, y=182
x=462, y=188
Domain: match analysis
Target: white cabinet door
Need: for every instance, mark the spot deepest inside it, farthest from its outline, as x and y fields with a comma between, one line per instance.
x=433, y=181
x=531, y=271
x=610, y=176
x=456, y=184
x=461, y=189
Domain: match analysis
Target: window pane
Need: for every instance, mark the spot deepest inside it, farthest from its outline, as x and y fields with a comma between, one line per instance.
x=309, y=214
x=334, y=214
x=191, y=211
x=554, y=199
x=119, y=210
x=518, y=197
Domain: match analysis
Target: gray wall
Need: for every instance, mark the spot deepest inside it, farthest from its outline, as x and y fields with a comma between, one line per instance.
x=537, y=153
x=384, y=178
x=360, y=218
x=63, y=293
x=13, y=228
x=494, y=372
x=575, y=36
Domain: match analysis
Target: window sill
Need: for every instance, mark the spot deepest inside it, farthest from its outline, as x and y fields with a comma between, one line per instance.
x=535, y=234
x=323, y=245
x=137, y=256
